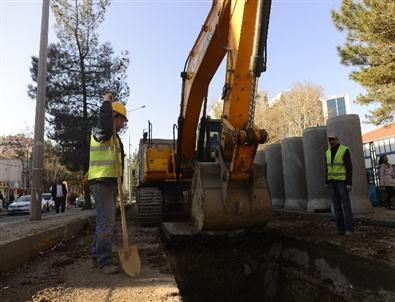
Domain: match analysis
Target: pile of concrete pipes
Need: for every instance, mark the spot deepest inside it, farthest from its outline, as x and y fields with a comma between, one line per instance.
x=295, y=168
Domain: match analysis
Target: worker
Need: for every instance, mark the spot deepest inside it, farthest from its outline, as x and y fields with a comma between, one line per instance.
x=102, y=177
x=339, y=181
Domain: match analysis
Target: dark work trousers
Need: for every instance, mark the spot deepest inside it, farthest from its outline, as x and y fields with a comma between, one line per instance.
x=60, y=202
x=389, y=193
x=341, y=206
x=105, y=194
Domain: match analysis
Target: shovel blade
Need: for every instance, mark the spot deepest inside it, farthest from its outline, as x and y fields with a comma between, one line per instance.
x=130, y=260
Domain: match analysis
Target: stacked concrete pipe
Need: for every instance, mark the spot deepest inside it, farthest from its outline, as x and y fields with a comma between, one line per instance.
x=314, y=146
x=260, y=157
x=348, y=129
x=275, y=178
x=294, y=173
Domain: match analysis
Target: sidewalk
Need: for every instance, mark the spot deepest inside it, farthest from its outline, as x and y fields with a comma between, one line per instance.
x=22, y=239
x=380, y=216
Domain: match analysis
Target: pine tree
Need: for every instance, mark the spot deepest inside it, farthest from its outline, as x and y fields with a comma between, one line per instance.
x=370, y=47
x=80, y=72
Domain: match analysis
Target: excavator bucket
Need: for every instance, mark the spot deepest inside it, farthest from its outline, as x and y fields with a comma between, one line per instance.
x=221, y=205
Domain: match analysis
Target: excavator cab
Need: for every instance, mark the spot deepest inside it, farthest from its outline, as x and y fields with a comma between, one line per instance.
x=209, y=139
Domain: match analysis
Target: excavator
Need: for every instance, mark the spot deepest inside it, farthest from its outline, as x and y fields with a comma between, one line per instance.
x=207, y=170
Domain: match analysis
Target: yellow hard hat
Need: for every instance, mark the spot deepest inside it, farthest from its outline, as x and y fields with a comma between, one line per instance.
x=119, y=108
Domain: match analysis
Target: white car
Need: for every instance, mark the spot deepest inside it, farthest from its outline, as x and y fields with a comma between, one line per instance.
x=48, y=200
x=22, y=205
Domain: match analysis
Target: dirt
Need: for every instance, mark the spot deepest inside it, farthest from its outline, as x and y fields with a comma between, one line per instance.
x=259, y=265
x=371, y=241
x=65, y=273
x=296, y=258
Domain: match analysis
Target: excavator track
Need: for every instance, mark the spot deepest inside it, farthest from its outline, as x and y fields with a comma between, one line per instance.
x=149, y=204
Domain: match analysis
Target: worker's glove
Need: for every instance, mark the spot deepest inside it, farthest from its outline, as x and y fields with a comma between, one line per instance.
x=108, y=97
x=348, y=187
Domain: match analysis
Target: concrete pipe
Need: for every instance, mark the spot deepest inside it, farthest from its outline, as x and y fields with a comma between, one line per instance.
x=314, y=146
x=348, y=129
x=260, y=157
x=274, y=174
x=294, y=173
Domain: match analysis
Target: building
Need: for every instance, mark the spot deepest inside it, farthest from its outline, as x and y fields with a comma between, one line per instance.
x=376, y=143
x=336, y=105
x=11, y=171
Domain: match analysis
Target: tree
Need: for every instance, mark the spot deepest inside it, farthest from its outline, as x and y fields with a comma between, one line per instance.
x=132, y=162
x=288, y=114
x=370, y=47
x=55, y=170
x=19, y=146
x=271, y=117
x=80, y=72
x=301, y=108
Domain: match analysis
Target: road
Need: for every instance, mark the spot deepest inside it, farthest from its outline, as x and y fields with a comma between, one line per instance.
x=5, y=218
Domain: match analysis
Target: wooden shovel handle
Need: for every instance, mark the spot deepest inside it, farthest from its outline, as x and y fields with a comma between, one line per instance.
x=109, y=97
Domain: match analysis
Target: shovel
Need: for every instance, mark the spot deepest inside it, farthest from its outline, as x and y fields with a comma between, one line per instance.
x=129, y=254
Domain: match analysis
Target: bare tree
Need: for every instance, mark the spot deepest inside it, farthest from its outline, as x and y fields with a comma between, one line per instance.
x=288, y=114
x=302, y=108
x=291, y=112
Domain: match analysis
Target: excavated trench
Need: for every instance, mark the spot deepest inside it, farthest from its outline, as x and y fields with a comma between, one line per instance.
x=270, y=266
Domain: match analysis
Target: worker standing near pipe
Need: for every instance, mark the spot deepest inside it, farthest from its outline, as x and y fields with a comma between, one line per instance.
x=339, y=180
x=103, y=179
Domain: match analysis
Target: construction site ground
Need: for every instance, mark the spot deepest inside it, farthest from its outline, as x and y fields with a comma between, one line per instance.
x=297, y=257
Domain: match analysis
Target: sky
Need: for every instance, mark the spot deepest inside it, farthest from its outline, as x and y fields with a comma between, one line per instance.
x=159, y=34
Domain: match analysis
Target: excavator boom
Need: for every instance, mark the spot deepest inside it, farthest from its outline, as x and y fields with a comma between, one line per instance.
x=232, y=192
x=227, y=189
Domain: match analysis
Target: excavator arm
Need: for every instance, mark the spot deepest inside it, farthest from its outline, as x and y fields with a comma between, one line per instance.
x=236, y=29
x=231, y=193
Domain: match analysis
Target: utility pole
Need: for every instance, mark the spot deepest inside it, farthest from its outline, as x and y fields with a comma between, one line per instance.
x=130, y=159
x=38, y=143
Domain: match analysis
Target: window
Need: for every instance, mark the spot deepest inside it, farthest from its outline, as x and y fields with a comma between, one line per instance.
x=392, y=144
x=341, y=106
x=332, y=110
x=366, y=150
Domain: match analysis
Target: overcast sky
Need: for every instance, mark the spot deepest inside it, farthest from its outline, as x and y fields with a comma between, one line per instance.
x=159, y=34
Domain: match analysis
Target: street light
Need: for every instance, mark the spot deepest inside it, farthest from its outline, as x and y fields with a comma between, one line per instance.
x=137, y=108
x=129, y=174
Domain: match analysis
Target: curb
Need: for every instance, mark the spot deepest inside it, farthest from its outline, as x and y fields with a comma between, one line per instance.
x=15, y=253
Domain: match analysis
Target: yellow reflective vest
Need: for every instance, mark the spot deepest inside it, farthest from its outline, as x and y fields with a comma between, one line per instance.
x=102, y=159
x=337, y=169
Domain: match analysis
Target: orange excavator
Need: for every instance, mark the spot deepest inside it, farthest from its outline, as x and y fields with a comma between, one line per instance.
x=209, y=170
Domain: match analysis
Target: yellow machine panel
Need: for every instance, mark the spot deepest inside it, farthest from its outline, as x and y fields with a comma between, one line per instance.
x=156, y=161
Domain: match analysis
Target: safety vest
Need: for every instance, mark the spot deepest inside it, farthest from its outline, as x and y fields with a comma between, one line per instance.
x=337, y=169
x=102, y=159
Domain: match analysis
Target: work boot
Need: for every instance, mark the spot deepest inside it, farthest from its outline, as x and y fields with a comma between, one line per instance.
x=348, y=233
x=110, y=269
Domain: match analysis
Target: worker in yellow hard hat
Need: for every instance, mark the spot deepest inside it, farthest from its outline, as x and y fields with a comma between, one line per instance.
x=102, y=178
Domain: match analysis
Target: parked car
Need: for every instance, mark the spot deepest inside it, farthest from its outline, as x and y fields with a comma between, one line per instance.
x=22, y=205
x=80, y=202
x=48, y=200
